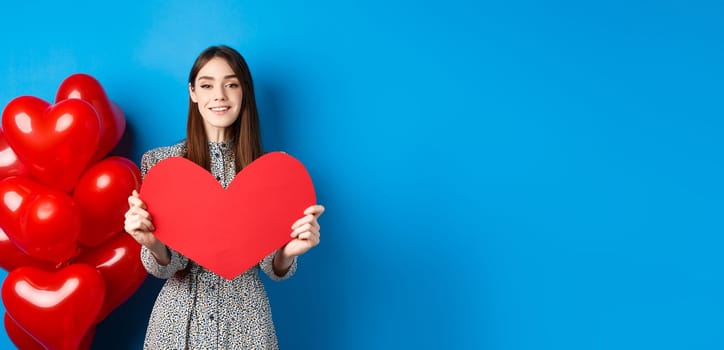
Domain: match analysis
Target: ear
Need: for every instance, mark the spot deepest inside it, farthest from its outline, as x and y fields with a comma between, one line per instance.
x=192, y=93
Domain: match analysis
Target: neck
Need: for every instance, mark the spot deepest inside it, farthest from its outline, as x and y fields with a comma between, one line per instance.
x=216, y=135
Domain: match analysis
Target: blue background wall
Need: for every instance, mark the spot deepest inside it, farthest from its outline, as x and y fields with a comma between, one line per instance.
x=498, y=174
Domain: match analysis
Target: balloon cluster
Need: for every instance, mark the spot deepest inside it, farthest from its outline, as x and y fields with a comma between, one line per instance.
x=61, y=216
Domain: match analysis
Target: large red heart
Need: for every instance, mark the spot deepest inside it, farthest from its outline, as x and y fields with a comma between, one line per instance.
x=101, y=194
x=57, y=308
x=55, y=142
x=118, y=261
x=112, y=119
x=227, y=231
x=43, y=222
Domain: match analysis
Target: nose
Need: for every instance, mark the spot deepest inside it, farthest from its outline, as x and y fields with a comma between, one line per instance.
x=219, y=94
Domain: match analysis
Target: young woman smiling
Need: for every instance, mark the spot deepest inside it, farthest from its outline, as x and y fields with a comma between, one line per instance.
x=196, y=308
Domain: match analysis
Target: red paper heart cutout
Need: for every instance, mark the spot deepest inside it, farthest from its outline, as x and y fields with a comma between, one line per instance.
x=117, y=260
x=55, y=142
x=112, y=119
x=227, y=231
x=57, y=308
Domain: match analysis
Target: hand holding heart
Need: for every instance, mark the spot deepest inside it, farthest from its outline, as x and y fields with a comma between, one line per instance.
x=305, y=233
x=138, y=224
x=138, y=221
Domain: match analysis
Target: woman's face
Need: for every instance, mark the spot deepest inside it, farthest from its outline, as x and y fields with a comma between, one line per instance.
x=217, y=93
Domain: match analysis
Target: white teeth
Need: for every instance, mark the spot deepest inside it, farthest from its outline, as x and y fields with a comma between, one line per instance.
x=219, y=109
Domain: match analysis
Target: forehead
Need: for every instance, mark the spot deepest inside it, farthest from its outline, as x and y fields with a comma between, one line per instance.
x=216, y=68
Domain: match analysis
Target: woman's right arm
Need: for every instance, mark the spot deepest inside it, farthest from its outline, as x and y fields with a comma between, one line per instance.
x=139, y=225
x=157, y=258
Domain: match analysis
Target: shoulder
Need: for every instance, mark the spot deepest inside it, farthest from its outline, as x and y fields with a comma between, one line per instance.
x=161, y=153
x=155, y=155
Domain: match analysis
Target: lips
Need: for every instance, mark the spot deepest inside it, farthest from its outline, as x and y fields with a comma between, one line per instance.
x=220, y=109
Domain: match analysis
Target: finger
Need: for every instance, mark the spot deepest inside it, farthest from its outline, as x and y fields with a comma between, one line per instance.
x=311, y=238
x=315, y=224
x=147, y=225
x=140, y=212
x=132, y=225
x=315, y=210
x=306, y=235
x=136, y=201
x=304, y=220
x=139, y=223
x=300, y=229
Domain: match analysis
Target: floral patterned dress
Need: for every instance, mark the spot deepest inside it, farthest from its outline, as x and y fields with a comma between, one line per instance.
x=203, y=310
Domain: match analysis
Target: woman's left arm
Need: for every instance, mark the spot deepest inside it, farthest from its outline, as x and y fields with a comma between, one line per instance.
x=305, y=235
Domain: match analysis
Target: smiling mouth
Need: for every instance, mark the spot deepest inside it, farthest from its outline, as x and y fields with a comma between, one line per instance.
x=220, y=109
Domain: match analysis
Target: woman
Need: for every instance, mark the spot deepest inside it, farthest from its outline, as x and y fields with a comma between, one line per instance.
x=196, y=308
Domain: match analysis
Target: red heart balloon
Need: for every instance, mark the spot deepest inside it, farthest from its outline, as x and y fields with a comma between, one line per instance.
x=44, y=223
x=10, y=165
x=102, y=195
x=57, y=308
x=240, y=225
x=55, y=142
x=19, y=337
x=113, y=121
x=119, y=263
x=87, y=341
x=25, y=341
x=11, y=257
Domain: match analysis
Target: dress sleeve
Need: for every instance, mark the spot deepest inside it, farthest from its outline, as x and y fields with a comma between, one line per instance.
x=266, y=265
x=147, y=161
x=178, y=262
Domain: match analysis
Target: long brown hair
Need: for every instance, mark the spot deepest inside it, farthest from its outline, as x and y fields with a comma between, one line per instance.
x=244, y=133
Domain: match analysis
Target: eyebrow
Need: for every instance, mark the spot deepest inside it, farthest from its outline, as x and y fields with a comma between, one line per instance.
x=212, y=78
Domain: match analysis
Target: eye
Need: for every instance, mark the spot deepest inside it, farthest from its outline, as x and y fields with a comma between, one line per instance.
x=205, y=86
x=232, y=85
